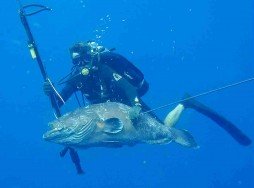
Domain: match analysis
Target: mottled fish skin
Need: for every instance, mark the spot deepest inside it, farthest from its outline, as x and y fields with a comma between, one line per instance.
x=83, y=128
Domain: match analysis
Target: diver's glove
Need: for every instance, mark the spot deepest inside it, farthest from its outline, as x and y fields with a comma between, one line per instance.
x=48, y=88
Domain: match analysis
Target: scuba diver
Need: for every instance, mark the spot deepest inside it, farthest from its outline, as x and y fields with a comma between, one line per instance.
x=102, y=75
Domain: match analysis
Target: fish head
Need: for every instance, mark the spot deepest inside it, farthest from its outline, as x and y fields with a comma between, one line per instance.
x=58, y=132
x=92, y=125
x=69, y=131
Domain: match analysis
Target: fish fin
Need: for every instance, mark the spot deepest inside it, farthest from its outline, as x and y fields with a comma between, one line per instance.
x=161, y=141
x=112, y=126
x=184, y=138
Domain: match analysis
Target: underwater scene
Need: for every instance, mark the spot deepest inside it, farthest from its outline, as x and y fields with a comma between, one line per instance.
x=125, y=93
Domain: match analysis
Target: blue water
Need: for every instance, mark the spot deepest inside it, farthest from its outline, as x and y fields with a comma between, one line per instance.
x=181, y=46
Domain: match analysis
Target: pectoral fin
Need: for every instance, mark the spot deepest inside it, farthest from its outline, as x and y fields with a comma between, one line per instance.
x=112, y=126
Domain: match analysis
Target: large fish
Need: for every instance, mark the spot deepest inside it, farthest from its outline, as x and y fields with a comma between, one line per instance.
x=109, y=125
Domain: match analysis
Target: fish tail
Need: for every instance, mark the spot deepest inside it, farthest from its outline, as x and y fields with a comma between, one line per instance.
x=183, y=137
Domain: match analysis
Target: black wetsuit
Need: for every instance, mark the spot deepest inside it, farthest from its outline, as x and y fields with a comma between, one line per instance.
x=111, y=78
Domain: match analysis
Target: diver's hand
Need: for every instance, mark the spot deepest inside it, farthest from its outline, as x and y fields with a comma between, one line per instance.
x=47, y=88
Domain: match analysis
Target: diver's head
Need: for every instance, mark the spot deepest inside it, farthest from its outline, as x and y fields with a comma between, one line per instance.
x=82, y=53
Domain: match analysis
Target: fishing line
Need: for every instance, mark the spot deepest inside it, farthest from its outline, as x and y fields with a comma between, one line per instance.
x=56, y=92
x=202, y=94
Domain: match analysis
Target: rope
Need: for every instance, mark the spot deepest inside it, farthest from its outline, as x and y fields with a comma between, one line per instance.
x=202, y=94
x=56, y=92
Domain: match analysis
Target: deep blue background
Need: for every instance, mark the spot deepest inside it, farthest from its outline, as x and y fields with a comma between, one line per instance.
x=180, y=46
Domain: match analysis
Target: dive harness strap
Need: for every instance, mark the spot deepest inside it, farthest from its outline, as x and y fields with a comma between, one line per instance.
x=36, y=56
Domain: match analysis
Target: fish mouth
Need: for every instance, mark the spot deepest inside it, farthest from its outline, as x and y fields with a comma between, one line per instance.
x=52, y=135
